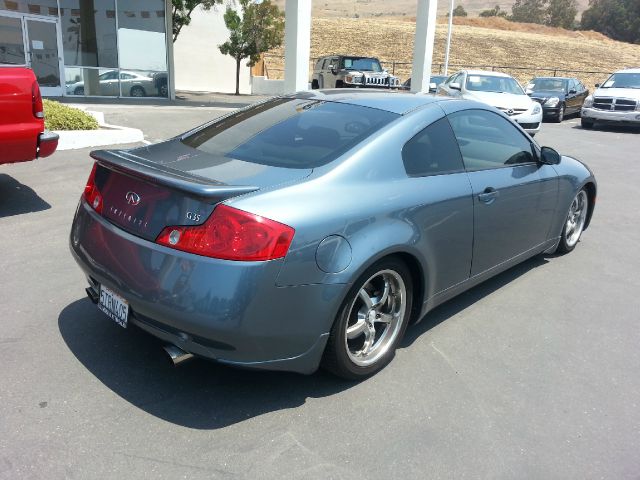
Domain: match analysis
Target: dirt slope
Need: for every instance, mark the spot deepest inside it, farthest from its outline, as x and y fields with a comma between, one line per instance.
x=392, y=41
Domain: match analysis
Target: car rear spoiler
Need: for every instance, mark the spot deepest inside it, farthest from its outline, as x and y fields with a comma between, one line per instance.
x=132, y=165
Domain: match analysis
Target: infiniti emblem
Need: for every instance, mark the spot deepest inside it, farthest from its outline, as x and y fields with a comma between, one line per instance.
x=132, y=198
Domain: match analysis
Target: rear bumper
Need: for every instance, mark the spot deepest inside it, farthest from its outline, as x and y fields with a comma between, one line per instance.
x=629, y=118
x=47, y=143
x=228, y=311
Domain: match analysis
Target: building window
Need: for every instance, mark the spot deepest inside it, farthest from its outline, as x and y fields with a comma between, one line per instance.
x=89, y=33
x=141, y=38
x=36, y=7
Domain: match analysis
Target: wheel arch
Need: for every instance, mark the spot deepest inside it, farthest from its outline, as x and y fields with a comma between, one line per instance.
x=416, y=269
x=590, y=187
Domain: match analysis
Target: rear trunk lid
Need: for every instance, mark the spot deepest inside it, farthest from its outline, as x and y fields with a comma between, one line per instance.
x=147, y=189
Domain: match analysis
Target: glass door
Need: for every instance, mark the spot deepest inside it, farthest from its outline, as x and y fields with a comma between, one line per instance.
x=43, y=54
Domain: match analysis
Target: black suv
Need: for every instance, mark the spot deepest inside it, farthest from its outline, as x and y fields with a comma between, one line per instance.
x=340, y=71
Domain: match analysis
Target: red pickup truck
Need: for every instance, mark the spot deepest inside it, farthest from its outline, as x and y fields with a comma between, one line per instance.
x=22, y=133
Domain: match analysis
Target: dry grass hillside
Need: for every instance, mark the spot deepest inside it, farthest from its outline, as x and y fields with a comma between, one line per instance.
x=391, y=40
x=375, y=8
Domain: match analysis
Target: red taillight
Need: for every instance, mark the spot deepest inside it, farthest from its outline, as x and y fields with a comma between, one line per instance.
x=91, y=193
x=231, y=234
x=36, y=101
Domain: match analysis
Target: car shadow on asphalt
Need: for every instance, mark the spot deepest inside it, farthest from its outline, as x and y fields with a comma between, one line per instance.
x=468, y=298
x=199, y=394
x=205, y=395
x=16, y=198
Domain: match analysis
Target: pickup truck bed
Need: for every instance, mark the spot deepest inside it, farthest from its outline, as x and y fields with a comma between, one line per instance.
x=22, y=133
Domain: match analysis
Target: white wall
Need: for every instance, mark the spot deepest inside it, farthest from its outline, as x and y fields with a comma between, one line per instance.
x=198, y=63
x=264, y=86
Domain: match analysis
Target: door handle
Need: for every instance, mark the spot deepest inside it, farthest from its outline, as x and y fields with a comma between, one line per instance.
x=489, y=195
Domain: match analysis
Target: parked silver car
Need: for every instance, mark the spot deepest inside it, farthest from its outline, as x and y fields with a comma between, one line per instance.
x=311, y=229
x=498, y=90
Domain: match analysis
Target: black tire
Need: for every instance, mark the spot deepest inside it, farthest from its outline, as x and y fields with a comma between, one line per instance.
x=137, y=91
x=79, y=91
x=164, y=90
x=339, y=84
x=567, y=244
x=588, y=124
x=314, y=85
x=558, y=118
x=338, y=357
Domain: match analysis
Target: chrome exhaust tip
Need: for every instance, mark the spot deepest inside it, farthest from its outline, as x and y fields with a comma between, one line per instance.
x=177, y=355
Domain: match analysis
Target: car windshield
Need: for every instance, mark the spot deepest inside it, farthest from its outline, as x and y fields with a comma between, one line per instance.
x=622, y=80
x=290, y=132
x=437, y=79
x=362, y=64
x=548, y=85
x=491, y=83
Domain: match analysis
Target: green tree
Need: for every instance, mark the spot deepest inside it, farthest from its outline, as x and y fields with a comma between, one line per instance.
x=493, y=12
x=182, y=9
x=459, y=11
x=617, y=19
x=260, y=29
x=528, y=11
x=561, y=13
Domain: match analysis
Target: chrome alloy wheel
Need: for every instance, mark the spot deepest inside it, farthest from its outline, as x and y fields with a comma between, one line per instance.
x=375, y=317
x=576, y=218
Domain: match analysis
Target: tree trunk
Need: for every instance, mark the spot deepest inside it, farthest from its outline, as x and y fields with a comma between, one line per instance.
x=238, y=76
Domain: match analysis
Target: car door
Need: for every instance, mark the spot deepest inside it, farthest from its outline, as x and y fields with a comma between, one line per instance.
x=572, y=96
x=582, y=94
x=442, y=204
x=514, y=196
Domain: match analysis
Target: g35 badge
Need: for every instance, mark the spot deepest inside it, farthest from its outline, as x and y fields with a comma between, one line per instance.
x=194, y=217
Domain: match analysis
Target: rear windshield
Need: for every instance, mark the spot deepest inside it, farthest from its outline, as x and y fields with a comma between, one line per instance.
x=290, y=132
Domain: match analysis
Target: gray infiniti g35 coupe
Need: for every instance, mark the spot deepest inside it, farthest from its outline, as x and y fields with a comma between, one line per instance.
x=311, y=229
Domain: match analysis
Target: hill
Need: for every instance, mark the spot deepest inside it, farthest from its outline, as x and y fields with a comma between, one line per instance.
x=391, y=40
x=399, y=8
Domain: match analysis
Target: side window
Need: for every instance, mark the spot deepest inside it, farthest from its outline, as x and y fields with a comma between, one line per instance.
x=572, y=85
x=488, y=140
x=433, y=151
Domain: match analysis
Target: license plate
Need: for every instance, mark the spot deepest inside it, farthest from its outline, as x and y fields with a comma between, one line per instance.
x=116, y=307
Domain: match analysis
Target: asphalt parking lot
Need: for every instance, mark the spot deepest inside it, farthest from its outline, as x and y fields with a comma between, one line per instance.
x=534, y=374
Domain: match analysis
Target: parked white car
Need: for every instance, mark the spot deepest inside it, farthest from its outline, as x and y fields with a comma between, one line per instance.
x=498, y=90
x=616, y=101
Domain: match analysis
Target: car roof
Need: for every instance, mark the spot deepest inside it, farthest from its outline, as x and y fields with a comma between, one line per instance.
x=487, y=72
x=629, y=70
x=394, y=102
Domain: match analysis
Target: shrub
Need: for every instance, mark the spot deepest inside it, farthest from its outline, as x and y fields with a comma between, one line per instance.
x=63, y=117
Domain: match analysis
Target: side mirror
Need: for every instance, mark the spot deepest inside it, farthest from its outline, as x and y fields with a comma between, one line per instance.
x=432, y=86
x=332, y=68
x=455, y=86
x=597, y=85
x=549, y=156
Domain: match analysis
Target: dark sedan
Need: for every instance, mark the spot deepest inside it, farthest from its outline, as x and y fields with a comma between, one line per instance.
x=559, y=96
x=312, y=229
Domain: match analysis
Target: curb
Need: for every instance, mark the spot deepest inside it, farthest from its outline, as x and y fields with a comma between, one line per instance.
x=106, y=135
